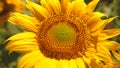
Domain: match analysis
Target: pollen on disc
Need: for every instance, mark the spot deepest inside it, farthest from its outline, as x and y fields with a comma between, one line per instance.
x=62, y=33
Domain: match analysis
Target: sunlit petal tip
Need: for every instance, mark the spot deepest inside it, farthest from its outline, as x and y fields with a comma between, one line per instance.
x=110, y=19
x=24, y=35
x=109, y=33
x=11, y=20
x=91, y=6
x=38, y=10
x=99, y=14
x=25, y=21
x=110, y=45
x=116, y=55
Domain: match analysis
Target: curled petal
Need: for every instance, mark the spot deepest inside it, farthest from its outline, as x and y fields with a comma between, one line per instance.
x=109, y=33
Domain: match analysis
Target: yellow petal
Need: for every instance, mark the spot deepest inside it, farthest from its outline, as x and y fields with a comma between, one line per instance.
x=22, y=60
x=91, y=6
x=63, y=64
x=47, y=7
x=51, y=63
x=103, y=54
x=24, y=35
x=96, y=64
x=65, y=5
x=22, y=42
x=41, y=63
x=38, y=57
x=14, y=43
x=99, y=14
x=110, y=45
x=86, y=60
x=46, y=63
x=107, y=21
x=75, y=7
x=70, y=8
x=116, y=55
x=37, y=10
x=109, y=33
x=101, y=25
x=30, y=60
x=93, y=20
x=25, y=45
x=25, y=21
x=23, y=48
x=73, y=64
x=52, y=5
x=90, y=52
x=80, y=63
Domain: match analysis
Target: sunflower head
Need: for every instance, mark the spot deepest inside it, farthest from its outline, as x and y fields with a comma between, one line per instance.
x=63, y=34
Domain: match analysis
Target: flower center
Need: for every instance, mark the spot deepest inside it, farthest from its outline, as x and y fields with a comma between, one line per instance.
x=63, y=37
x=62, y=33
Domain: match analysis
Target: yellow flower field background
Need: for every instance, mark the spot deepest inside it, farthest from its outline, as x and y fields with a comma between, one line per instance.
x=109, y=7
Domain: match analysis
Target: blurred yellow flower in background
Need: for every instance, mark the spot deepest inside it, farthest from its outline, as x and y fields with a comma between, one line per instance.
x=7, y=6
x=64, y=34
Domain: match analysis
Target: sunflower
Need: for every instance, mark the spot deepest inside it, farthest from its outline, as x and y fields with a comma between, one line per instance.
x=6, y=6
x=64, y=34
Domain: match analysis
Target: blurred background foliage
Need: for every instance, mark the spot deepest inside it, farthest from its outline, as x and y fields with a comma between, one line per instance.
x=109, y=7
